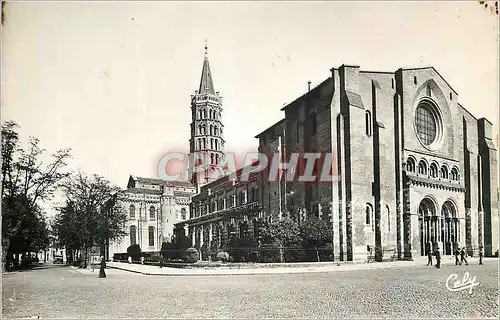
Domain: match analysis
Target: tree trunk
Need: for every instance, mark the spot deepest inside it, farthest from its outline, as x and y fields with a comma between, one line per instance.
x=282, y=253
x=5, y=254
x=317, y=254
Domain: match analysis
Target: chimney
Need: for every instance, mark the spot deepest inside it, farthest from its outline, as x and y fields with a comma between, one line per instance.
x=308, y=86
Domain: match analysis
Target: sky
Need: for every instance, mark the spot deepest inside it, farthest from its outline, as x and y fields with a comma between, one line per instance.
x=113, y=80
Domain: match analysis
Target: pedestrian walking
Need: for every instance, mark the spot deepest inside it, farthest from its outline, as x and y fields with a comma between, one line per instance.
x=129, y=259
x=142, y=260
x=429, y=258
x=457, y=261
x=463, y=255
x=437, y=253
x=102, y=273
x=481, y=255
x=161, y=261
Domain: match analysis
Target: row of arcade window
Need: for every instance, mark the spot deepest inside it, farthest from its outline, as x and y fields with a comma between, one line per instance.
x=212, y=114
x=432, y=170
x=213, y=130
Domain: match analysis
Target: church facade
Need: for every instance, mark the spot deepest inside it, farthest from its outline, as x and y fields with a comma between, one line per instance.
x=415, y=171
x=153, y=207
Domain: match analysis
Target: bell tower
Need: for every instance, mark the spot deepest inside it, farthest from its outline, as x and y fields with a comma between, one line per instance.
x=207, y=130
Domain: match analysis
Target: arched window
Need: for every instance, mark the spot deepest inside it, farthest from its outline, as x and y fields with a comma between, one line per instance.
x=183, y=213
x=410, y=165
x=152, y=212
x=216, y=144
x=313, y=123
x=368, y=123
x=199, y=114
x=133, y=231
x=215, y=131
x=433, y=170
x=422, y=168
x=204, y=143
x=212, y=158
x=211, y=143
x=204, y=113
x=199, y=129
x=216, y=158
x=132, y=211
x=199, y=144
x=454, y=174
x=444, y=172
x=369, y=215
x=151, y=233
x=211, y=129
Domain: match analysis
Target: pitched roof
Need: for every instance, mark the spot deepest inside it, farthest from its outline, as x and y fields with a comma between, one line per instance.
x=206, y=82
x=185, y=184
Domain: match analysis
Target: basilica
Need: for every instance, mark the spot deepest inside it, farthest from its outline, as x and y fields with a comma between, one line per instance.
x=416, y=171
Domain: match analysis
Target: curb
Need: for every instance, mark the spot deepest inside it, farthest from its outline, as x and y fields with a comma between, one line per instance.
x=288, y=271
x=293, y=270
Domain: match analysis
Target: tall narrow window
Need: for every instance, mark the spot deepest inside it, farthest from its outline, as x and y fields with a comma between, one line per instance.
x=392, y=83
x=388, y=218
x=216, y=157
x=132, y=211
x=216, y=144
x=368, y=123
x=298, y=131
x=415, y=80
x=151, y=232
x=313, y=123
x=211, y=143
x=368, y=214
x=183, y=213
x=152, y=212
x=133, y=239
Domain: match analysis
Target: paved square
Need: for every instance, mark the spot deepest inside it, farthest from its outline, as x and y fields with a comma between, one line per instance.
x=420, y=291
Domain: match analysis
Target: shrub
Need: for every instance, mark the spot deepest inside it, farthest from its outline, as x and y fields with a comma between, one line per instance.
x=222, y=256
x=134, y=251
x=191, y=255
x=168, y=250
x=254, y=256
x=269, y=253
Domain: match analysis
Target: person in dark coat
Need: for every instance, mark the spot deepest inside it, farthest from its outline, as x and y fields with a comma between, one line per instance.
x=102, y=273
x=463, y=254
x=457, y=261
x=481, y=255
x=429, y=258
x=437, y=253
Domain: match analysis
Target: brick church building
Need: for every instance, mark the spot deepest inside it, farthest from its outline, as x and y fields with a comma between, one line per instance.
x=416, y=171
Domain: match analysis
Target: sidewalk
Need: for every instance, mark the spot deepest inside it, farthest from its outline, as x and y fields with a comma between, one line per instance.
x=319, y=267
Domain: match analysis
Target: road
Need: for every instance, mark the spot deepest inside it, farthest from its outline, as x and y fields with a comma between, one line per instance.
x=61, y=292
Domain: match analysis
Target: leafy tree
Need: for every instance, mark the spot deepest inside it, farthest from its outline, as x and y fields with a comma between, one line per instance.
x=26, y=180
x=91, y=216
x=283, y=233
x=316, y=233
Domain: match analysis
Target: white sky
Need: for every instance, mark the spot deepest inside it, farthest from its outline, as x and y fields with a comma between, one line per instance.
x=113, y=80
